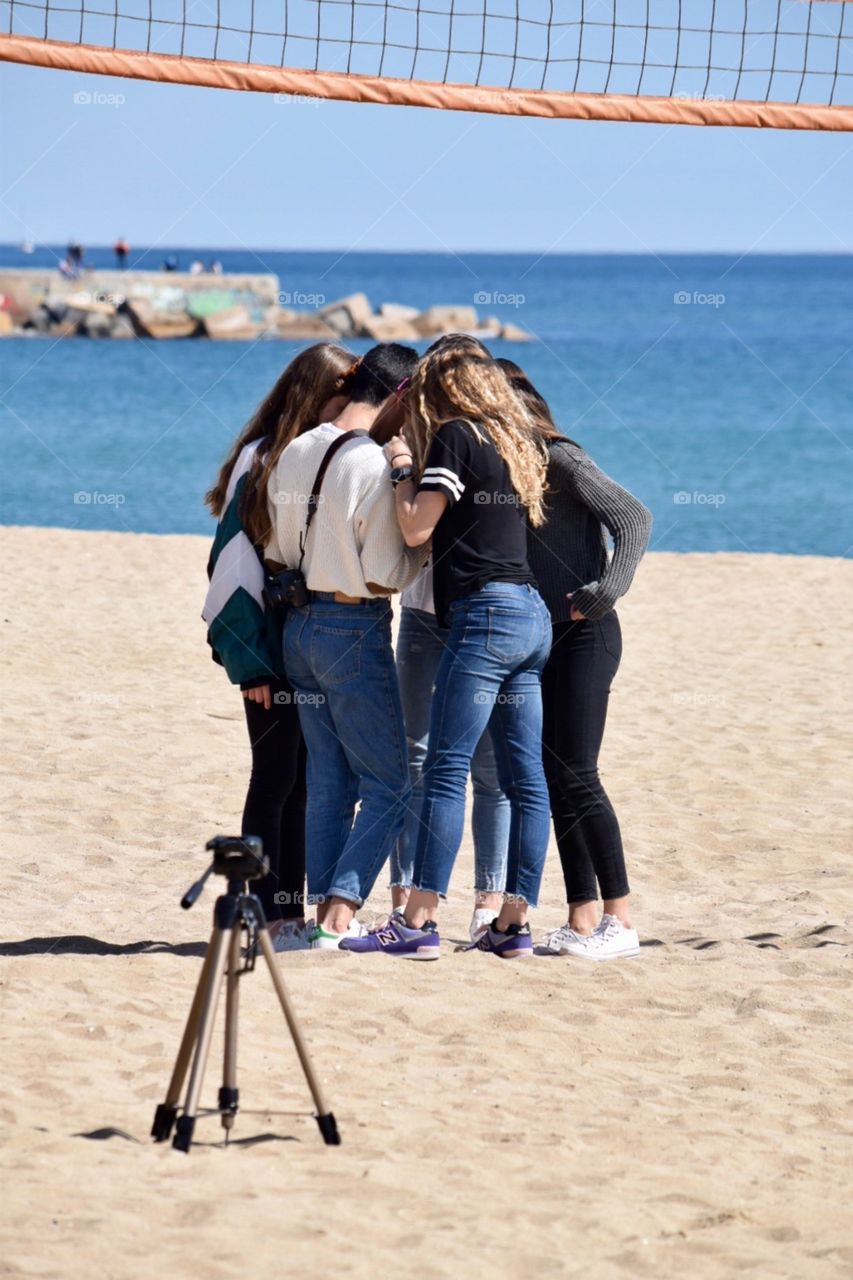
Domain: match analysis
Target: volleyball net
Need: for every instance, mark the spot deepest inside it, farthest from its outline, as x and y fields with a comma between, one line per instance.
x=761, y=63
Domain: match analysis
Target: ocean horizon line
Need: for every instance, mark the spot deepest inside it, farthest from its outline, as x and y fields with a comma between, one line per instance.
x=15, y=246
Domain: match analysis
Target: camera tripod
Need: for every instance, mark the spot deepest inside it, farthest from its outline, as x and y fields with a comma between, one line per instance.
x=236, y=913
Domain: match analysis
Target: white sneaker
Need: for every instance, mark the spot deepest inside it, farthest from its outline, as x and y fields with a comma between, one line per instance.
x=480, y=921
x=291, y=937
x=559, y=939
x=323, y=940
x=612, y=940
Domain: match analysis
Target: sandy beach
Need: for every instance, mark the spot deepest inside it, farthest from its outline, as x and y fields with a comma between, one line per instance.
x=684, y=1114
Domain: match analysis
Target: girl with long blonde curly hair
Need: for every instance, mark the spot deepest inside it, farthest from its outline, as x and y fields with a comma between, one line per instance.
x=469, y=474
x=463, y=382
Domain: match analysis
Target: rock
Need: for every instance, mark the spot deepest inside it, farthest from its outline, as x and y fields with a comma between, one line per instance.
x=388, y=329
x=96, y=324
x=7, y=324
x=41, y=320
x=122, y=327
x=491, y=325
x=88, y=304
x=235, y=324
x=347, y=315
x=437, y=320
x=56, y=309
x=149, y=323
x=514, y=333
x=396, y=311
x=298, y=325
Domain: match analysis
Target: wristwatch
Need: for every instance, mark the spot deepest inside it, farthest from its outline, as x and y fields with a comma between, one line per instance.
x=399, y=474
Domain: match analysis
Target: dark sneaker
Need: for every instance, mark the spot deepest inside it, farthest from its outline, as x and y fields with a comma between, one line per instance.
x=515, y=944
x=395, y=939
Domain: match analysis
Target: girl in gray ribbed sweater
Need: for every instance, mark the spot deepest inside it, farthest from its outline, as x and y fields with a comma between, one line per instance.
x=580, y=586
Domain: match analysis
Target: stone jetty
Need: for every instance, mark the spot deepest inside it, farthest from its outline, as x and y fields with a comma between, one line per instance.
x=172, y=304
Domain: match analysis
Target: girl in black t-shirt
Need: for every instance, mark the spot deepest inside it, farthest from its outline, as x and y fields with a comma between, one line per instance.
x=469, y=474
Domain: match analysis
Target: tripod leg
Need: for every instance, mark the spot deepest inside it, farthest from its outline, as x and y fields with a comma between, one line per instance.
x=228, y=1095
x=325, y=1119
x=164, y=1117
x=218, y=950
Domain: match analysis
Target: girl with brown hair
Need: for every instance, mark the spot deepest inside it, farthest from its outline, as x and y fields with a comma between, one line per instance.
x=580, y=585
x=246, y=638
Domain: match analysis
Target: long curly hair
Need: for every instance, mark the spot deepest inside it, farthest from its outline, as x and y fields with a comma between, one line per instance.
x=462, y=381
x=294, y=405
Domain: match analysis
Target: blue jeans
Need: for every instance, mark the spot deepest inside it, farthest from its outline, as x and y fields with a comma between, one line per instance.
x=420, y=645
x=499, y=641
x=340, y=662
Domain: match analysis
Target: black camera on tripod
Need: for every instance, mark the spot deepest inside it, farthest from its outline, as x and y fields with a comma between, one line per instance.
x=239, y=857
x=288, y=587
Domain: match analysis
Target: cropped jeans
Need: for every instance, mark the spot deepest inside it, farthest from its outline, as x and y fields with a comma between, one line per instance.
x=340, y=662
x=421, y=643
x=489, y=675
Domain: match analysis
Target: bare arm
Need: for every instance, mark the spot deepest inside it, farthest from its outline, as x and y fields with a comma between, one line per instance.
x=417, y=513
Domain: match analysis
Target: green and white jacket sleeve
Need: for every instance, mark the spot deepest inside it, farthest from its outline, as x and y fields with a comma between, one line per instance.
x=244, y=636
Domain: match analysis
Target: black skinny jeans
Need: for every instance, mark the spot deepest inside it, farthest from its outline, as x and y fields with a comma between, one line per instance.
x=275, y=803
x=575, y=689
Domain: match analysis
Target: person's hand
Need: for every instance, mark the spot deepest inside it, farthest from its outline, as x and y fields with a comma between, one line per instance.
x=398, y=452
x=575, y=614
x=262, y=694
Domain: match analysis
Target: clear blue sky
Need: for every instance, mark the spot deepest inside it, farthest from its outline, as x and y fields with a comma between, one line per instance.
x=207, y=168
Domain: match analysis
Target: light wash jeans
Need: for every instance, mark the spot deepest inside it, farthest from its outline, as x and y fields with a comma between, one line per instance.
x=340, y=662
x=499, y=641
x=421, y=643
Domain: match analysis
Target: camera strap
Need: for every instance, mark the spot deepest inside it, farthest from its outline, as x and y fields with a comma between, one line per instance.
x=314, y=496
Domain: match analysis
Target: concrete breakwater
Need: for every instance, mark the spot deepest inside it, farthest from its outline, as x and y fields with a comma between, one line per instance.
x=171, y=304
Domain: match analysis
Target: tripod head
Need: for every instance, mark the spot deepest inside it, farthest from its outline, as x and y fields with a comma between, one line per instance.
x=239, y=858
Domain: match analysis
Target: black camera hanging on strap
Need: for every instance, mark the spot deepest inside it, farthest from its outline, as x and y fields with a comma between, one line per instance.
x=288, y=586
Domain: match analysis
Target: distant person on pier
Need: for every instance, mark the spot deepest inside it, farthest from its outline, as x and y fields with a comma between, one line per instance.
x=74, y=257
x=171, y=263
x=196, y=267
x=121, y=249
x=215, y=267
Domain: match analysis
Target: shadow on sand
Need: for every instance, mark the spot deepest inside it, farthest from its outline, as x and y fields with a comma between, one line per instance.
x=80, y=944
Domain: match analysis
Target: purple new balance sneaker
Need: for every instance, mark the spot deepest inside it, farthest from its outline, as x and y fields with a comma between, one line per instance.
x=396, y=939
x=515, y=944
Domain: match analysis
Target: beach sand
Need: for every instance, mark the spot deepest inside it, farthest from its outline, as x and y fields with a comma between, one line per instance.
x=684, y=1114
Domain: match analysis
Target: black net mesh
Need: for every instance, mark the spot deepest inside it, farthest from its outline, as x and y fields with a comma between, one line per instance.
x=729, y=50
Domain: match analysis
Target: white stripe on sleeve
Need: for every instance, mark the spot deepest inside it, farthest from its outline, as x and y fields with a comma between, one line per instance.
x=441, y=475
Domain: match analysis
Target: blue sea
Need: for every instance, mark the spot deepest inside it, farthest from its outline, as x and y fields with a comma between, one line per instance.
x=718, y=389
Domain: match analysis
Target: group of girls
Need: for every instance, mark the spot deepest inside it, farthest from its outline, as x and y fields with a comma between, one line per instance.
x=507, y=649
